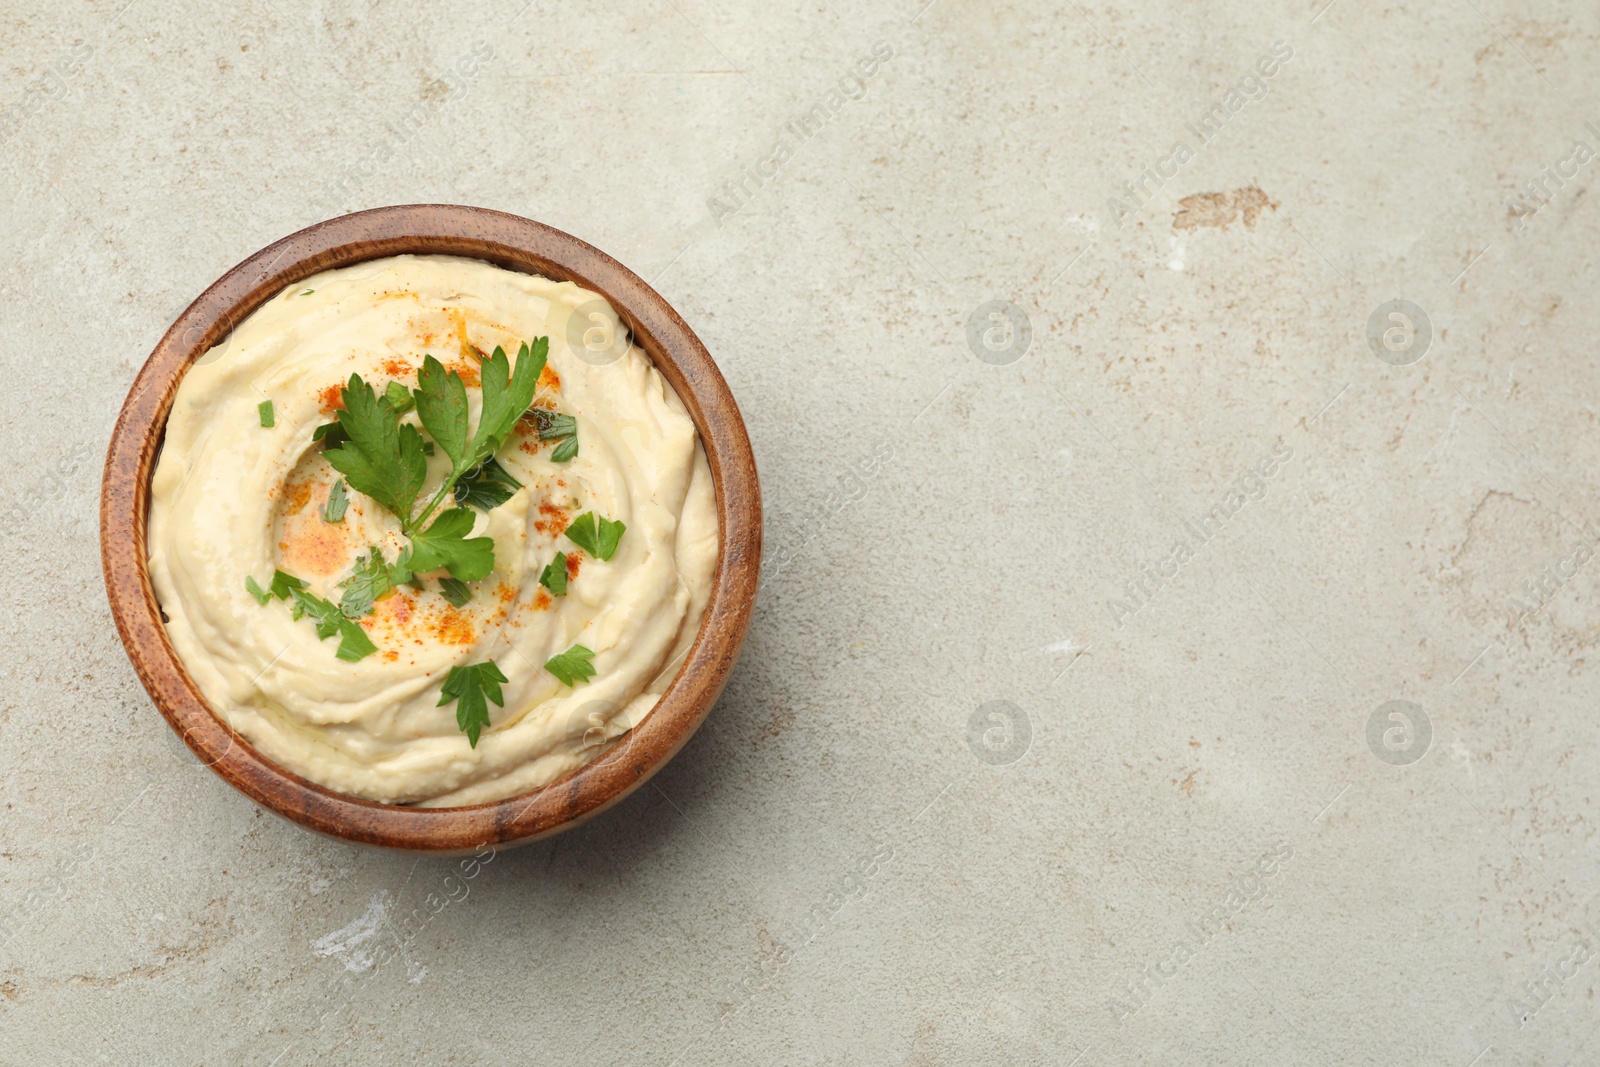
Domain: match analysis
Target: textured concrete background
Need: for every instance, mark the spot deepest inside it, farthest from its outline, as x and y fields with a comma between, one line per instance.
x=1017, y=722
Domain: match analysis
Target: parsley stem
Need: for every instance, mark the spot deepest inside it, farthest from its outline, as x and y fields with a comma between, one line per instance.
x=438, y=498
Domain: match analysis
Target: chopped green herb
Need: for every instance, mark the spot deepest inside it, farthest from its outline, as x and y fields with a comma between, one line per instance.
x=338, y=502
x=553, y=425
x=331, y=434
x=554, y=577
x=284, y=584
x=455, y=591
x=307, y=292
x=445, y=544
x=399, y=398
x=372, y=581
x=486, y=487
x=354, y=644
x=468, y=686
x=565, y=450
x=571, y=666
x=595, y=535
x=268, y=419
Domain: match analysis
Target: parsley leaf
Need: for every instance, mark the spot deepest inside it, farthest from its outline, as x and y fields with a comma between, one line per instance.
x=280, y=587
x=468, y=686
x=399, y=398
x=572, y=666
x=552, y=425
x=595, y=535
x=372, y=581
x=354, y=644
x=487, y=486
x=554, y=577
x=442, y=407
x=506, y=395
x=338, y=501
x=382, y=457
x=284, y=584
x=455, y=591
x=267, y=418
x=445, y=544
x=565, y=450
x=330, y=434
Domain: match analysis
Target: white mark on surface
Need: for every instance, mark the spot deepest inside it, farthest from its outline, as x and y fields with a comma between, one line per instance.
x=352, y=943
x=1175, y=253
x=1069, y=645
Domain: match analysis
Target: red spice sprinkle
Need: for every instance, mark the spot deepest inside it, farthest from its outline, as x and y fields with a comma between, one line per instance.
x=331, y=398
x=554, y=520
x=574, y=560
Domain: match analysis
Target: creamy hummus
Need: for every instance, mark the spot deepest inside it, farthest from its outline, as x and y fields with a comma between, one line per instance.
x=233, y=499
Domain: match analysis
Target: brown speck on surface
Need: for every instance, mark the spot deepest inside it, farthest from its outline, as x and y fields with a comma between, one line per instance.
x=1188, y=783
x=1219, y=210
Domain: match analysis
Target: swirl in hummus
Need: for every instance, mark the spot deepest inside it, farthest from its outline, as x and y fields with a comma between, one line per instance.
x=233, y=498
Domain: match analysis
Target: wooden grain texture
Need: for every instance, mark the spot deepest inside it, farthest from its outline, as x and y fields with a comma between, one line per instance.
x=517, y=244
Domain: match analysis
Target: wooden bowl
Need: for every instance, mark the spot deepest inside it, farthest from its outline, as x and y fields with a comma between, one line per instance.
x=517, y=244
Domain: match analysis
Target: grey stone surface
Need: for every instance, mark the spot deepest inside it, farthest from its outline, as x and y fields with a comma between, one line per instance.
x=1016, y=723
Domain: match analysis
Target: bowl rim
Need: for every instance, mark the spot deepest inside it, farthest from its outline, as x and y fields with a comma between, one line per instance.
x=519, y=244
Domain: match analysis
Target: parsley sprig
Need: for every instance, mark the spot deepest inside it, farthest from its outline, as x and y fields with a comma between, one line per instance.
x=387, y=459
x=354, y=644
x=468, y=686
x=572, y=666
x=596, y=534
